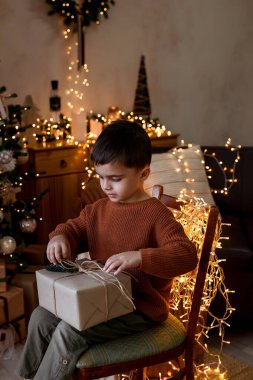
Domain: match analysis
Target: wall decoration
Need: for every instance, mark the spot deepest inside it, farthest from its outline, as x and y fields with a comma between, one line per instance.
x=90, y=10
x=142, y=104
x=78, y=15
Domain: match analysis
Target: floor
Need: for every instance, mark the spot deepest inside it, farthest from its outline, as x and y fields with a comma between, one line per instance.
x=241, y=344
x=7, y=366
x=241, y=348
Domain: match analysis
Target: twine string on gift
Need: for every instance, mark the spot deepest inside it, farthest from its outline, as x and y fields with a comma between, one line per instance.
x=94, y=270
x=64, y=275
x=6, y=310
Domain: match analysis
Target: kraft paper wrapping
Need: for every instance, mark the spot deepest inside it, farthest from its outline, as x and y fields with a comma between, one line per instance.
x=81, y=300
x=28, y=283
x=14, y=298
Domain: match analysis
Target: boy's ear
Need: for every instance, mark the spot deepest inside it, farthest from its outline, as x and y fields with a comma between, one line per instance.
x=145, y=173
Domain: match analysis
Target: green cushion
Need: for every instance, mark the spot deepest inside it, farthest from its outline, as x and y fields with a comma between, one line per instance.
x=167, y=335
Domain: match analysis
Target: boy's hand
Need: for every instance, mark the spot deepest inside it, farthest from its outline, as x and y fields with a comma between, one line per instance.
x=58, y=249
x=122, y=261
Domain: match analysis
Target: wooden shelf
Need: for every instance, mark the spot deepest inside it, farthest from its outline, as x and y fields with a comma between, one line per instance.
x=164, y=142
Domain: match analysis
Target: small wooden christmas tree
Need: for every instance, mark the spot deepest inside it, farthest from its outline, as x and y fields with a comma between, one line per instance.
x=142, y=104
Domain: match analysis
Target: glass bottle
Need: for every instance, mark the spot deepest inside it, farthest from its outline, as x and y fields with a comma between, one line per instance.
x=55, y=102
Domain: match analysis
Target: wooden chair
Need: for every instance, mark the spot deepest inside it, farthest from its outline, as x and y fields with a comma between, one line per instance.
x=159, y=344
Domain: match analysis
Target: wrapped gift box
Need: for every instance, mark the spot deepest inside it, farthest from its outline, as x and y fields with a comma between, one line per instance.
x=11, y=304
x=28, y=283
x=81, y=300
x=3, y=284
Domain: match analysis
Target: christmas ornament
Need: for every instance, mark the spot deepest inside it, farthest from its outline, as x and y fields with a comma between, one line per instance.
x=5, y=187
x=7, y=245
x=28, y=225
x=7, y=162
x=6, y=156
x=9, y=197
x=141, y=102
x=8, y=167
x=1, y=216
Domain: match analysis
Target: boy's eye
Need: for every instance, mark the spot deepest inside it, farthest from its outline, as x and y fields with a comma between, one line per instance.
x=116, y=179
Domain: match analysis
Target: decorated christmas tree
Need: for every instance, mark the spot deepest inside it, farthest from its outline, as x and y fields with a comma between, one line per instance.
x=17, y=216
x=142, y=104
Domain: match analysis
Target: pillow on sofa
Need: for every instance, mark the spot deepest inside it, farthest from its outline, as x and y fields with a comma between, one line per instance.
x=180, y=170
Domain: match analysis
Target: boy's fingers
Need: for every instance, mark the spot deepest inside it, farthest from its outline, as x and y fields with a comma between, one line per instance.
x=120, y=269
x=112, y=264
x=55, y=254
x=65, y=251
x=51, y=256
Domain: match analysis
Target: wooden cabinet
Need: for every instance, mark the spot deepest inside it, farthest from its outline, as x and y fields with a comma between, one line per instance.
x=59, y=167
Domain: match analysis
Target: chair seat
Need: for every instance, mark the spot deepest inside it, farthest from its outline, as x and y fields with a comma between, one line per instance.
x=167, y=335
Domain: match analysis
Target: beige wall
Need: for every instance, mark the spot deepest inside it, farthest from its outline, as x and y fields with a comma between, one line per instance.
x=199, y=61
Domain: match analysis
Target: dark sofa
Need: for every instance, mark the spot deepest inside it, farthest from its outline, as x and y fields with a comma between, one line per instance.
x=236, y=208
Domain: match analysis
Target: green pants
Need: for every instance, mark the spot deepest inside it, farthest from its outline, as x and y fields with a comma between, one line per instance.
x=53, y=347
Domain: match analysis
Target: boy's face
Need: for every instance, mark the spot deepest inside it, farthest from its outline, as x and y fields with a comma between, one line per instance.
x=122, y=184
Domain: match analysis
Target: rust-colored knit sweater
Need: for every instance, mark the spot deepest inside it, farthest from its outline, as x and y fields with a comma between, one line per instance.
x=106, y=228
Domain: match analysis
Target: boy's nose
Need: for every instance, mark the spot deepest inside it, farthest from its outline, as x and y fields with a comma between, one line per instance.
x=107, y=185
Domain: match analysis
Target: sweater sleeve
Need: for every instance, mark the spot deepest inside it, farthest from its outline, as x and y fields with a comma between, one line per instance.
x=174, y=254
x=76, y=232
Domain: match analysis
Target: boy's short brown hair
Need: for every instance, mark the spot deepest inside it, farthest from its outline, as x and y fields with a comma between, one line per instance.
x=124, y=142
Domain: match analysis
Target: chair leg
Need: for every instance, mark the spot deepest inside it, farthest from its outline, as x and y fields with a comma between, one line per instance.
x=189, y=366
x=141, y=374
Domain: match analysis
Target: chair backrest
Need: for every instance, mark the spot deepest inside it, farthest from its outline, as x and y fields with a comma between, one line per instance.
x=92, y=192
x=212, y=224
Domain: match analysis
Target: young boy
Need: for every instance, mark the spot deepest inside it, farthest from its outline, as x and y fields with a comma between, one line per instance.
x=127, y=231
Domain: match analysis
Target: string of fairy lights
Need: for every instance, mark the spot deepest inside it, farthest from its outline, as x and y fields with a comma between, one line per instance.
x=91, y=11
x=77, y=80
x=194, y=216
x=46, y=130
x=153, y=126
x=157, y=130
x=229, y=174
